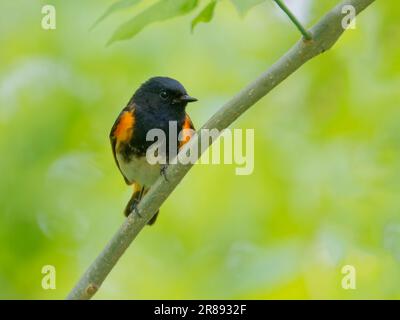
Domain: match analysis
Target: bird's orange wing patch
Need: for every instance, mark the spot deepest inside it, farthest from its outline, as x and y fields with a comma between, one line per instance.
x=124, y=128
x=186, y=132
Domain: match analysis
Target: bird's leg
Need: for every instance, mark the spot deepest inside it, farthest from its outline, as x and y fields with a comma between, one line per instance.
x=134, y=207
x=134, y=202
x=163, y=171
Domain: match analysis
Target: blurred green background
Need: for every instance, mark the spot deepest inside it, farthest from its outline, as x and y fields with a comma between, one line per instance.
x=326, y=184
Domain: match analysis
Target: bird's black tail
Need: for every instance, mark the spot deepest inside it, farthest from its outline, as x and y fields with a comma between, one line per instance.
x=137, y=195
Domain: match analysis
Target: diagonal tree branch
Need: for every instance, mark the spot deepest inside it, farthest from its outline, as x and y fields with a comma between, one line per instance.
x=324, y=35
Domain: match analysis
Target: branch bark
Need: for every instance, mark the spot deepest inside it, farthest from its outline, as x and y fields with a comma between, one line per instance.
x=324, y=35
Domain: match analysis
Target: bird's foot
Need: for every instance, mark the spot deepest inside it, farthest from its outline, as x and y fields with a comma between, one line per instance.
x=134, y=208
x=163, y=171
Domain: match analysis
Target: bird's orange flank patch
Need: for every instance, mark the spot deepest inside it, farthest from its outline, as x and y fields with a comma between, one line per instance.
x=186, y=132
x=123, y=131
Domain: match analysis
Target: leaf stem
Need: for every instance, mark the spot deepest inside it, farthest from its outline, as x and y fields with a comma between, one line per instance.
x=306, y=34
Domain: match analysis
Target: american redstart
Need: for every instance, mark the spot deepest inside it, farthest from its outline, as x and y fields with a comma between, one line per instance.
x=154, y=105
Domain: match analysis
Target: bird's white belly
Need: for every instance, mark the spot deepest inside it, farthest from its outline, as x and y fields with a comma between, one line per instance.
x=139, y=170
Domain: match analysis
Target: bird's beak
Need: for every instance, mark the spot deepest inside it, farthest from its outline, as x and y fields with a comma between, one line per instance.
x=186, y=98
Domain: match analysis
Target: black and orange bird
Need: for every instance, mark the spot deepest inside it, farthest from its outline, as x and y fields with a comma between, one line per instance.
x=157, y=102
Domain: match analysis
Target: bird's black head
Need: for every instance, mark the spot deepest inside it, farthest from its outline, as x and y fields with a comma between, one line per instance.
x=162, y=92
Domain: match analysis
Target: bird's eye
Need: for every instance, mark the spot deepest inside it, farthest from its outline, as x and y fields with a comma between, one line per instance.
x=164, y=95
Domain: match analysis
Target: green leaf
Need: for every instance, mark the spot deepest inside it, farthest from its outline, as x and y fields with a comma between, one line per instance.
x=245, y=5
x=116, y=6
x=205, y=15
x=160, y=11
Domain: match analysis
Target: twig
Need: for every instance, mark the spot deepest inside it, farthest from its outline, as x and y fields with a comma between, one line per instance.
x=306, y=34
x=325, y=34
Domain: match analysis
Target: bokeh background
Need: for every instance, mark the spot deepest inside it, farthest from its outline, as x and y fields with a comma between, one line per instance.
x=326, y=184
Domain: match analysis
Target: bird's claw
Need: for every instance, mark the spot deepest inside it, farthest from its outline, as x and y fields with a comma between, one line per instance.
x=163, y=172
x=134, y=208
x=137, y=212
